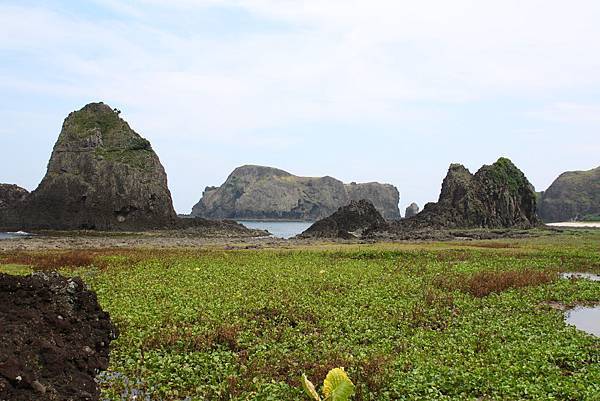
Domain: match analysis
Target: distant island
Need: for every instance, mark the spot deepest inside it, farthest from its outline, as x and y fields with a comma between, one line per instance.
x=267, y=193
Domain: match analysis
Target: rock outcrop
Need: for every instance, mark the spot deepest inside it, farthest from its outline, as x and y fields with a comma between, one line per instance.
x=101, y=175
x=347, y=222
x=54, y=338
x=257, y=192
x=411, y=210
x=496, y=196
x=11, y=195
x=574, y=195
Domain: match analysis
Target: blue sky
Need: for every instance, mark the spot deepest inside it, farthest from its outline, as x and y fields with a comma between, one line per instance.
x=381, y=90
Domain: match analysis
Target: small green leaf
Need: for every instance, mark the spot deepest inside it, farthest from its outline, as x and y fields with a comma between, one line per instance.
x=337, y=386
x=310, y=388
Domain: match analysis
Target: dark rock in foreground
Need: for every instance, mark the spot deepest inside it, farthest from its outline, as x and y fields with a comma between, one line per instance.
x=574, y=195
x=411, y=210
x=496, y=196
x=54, y=338
x=348, y=222
x=257, y=192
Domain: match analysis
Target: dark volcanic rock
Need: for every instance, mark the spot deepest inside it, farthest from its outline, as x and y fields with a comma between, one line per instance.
x=54, y=338
x=411, y=210
x=101, y=175
x=497, y=196
x=574, y=195
x=256, y=192
x=348, y=222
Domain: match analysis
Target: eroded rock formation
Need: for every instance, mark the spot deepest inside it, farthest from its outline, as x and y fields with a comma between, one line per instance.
x=411, y=210
x=101, y=175
x=257, y=192
x=496, y=196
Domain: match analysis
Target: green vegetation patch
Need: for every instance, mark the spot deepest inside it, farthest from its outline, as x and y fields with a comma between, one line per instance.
x=504, y=171
x=247, y=324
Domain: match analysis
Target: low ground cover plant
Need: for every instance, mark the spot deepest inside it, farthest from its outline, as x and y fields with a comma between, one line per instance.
x=247, y=324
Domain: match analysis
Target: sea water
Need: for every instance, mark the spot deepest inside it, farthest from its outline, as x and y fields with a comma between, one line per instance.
x=18, y=234
x=279, y=229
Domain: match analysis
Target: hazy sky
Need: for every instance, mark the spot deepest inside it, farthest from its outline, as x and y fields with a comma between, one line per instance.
x=376, y=90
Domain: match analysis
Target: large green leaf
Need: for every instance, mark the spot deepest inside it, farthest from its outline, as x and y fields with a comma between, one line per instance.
x=310, y=388
x=337, y=386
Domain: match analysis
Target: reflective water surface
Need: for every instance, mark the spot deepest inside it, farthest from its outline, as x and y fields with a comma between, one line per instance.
x=585, y=318
x=17, y=234
x=279, y=229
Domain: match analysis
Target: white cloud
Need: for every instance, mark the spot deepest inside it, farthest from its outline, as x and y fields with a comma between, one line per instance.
x=386, y=63
x=339, y=61
x=569, y=112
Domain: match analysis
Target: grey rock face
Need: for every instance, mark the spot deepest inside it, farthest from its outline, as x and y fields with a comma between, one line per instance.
x=574, y=195
x=411, y=210
x=347, y=222
x=101, y=175
x=257, y=192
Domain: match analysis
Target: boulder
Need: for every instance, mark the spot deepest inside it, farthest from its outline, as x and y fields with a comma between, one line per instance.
x=574, y=195
x=258, y=192
x=347, y=222
x=411, y=210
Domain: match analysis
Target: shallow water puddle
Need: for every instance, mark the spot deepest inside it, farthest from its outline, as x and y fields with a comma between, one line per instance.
x=586, y=276
x=585, y=318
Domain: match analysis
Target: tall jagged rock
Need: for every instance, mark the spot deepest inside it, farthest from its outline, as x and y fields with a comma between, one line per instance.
x=257, y=192
x=411, y=210
x=496, y=196
x=574, y=195
x=101, y=175
x=347, y=222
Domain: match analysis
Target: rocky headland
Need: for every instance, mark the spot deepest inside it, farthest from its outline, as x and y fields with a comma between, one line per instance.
x=574, y=195
x=257, y=192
